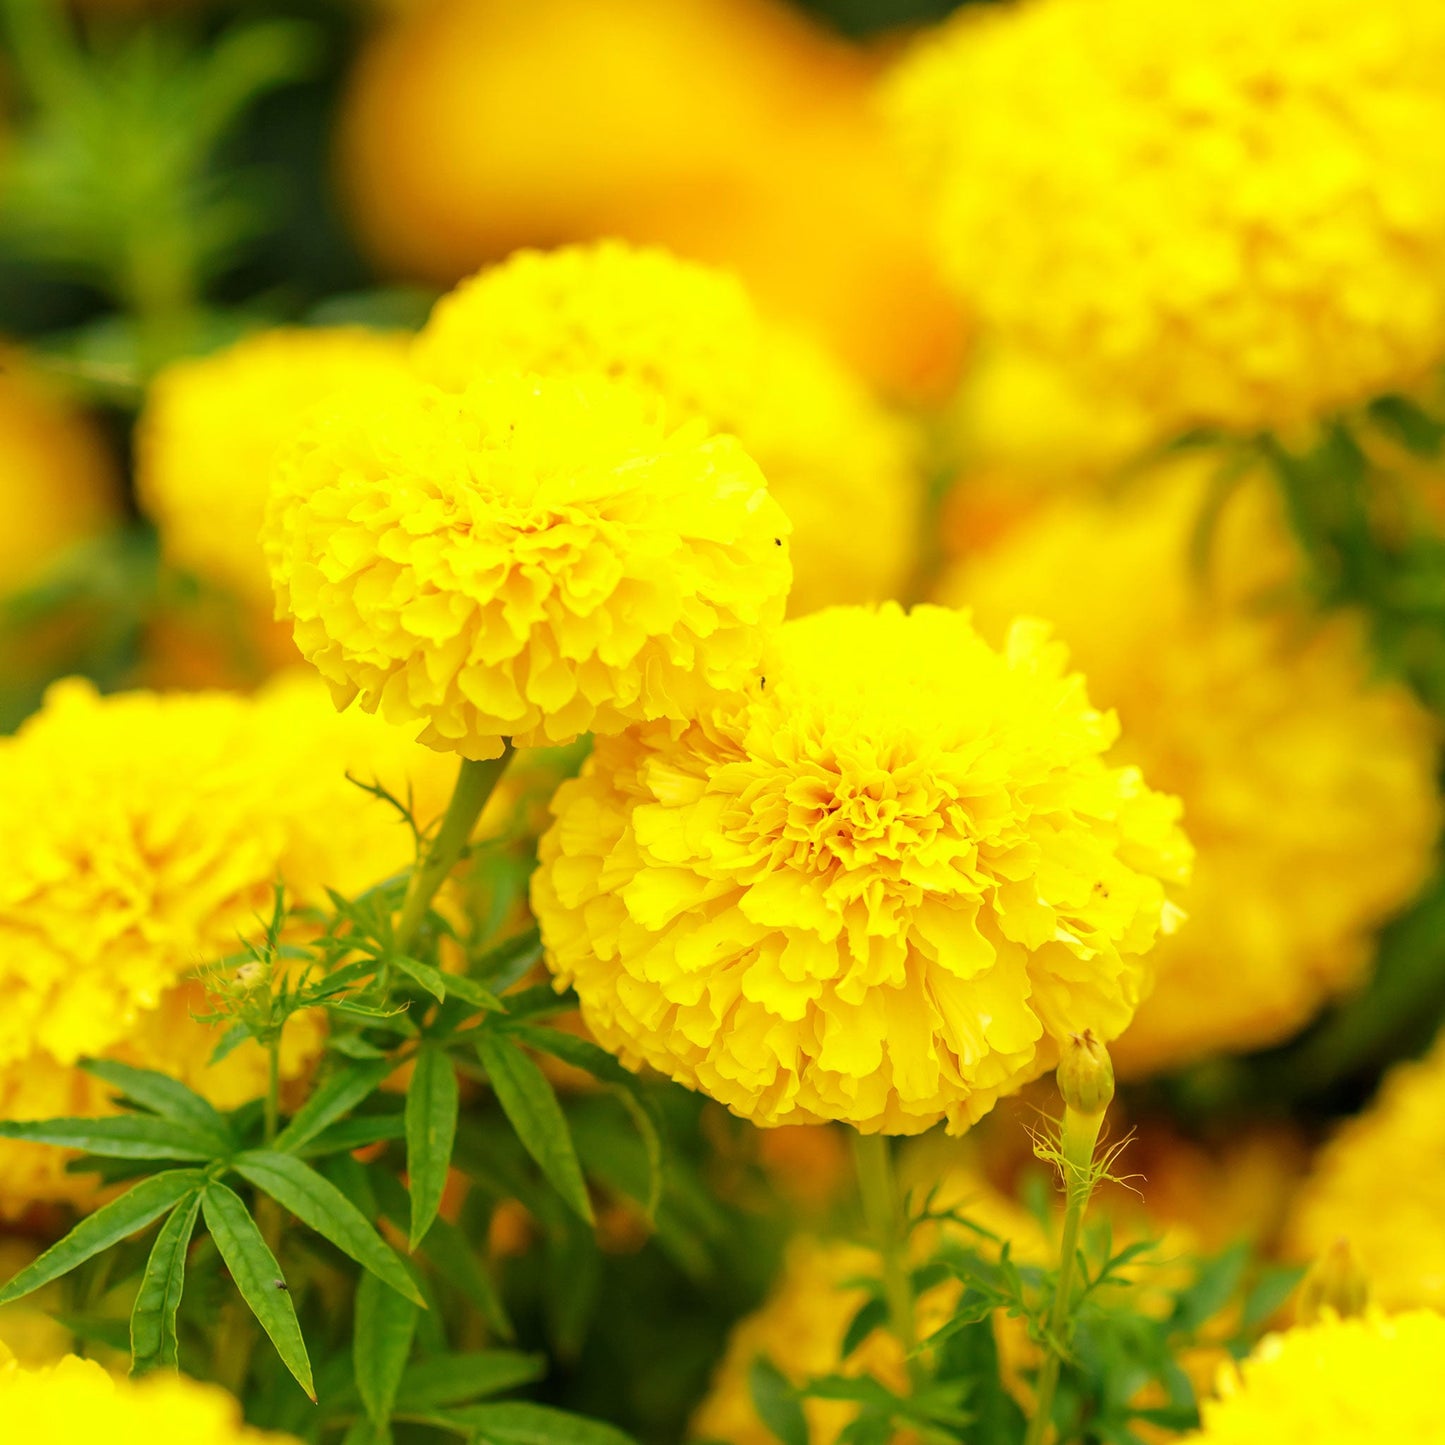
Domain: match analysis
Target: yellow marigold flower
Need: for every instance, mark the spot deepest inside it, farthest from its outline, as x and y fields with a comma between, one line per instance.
x=1339, y=1382
x=1380, y=1184
x=140, y=837
x=839, y=466
x=74, y=1402
x=879, y=886
x=1228, y=214
x=208, y=437
x=1308, y=785
x=528, y=559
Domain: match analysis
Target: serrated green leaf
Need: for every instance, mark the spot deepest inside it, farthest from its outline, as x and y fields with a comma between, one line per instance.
x=111, y=1223
x=257, y=1276
x=431, y=1130
x=349, y=1134
x=440, y=984
x=119, y=1136
x=530, y=1103
x=454, y=1379
x=336, y=1096
x=162, y=1095
x=153, y=1341
x=320, y=1205
x=385, y=1327
x=777, y=1403
x=520, y=1423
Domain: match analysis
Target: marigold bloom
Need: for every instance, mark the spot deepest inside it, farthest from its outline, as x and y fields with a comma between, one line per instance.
x=528, y=559
x=1228, y=214
x=1338, y=1382
x=1308, y=784
x=839, y=466
x=1380, y=1184
x=140, y=838
x=207, y=441
x=74, y=1402
x=878, y=886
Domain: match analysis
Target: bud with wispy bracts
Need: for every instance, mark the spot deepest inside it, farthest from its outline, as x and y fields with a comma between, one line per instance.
x=1086, y=1074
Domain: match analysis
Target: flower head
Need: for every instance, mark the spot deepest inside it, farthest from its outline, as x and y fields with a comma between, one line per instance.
x=1308, y=784
x=212, y=426
x=838, y=465
x=117, y=882
x=1338, y=1382
x=1228, y=214
x=74, y=1402
x=880, y=885
x=527, y=559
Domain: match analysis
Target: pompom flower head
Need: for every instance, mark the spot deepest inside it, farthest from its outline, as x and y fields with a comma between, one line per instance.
x=524, y=559
x=1307, y=783
x=877, y=886
x=838, y=465
x=117, y=886
x=1358, y=1381
x=1226, y=213
x=74, y=1402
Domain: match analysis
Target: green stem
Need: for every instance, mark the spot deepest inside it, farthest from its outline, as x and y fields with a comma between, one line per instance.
x=273, y=1088
x=884, y=1218
x=474, y=785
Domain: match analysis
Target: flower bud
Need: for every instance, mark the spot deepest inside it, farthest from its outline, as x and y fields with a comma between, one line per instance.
x=1336, y=1282
x=1085, y=1075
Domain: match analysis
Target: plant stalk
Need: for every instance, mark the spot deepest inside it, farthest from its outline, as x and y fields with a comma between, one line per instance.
x=884, y=1217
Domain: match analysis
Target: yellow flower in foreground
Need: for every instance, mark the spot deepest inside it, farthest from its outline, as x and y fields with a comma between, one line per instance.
x=877, y=887
x=1308, y=786
x=839, y=466
x=1380, y=1184
x=208, y=438
x=1226, y=213
x=140, y=837
x=529, y=559
x=75, y=1402
x=1360, y=1381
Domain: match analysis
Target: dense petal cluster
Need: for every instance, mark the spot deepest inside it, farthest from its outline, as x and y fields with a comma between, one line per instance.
x=878, y=886
x=116, y=885
x=1339, y=1382
x=1380, y=1184
x=1307, y=783
x=212, y=425
x=525, y=558
x=1228, y=214
x=74, y=1402
x=839, y=466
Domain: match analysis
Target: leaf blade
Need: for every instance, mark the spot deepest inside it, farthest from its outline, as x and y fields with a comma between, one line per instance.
x=431, y=1129
x=338, y=1095
x=117, y=1136
x=153, y=1338
x=381, y=1345
x=162, y=1095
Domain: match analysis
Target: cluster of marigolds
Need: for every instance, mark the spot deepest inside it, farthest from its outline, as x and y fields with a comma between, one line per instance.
x=832, y=859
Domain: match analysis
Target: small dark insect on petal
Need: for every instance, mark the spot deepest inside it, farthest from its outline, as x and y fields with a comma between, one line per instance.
x=777, y=541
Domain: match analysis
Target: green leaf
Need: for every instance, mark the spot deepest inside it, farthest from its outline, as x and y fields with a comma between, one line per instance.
x=357, y=1133
x=431, y=1130
x=153, y=1340
x=777, y=1403
x=453, y=1379
x=385, y=1326
x=519, y=1423
x=163, y=1095
x=530, y=1103
x=258, y=1277
x=448, y=1248
x=121, y=1136
x=341, y=1092
x=439, y=984
x=111, y=1223
x=872, y=1315
x=503, y=965
x=318, y=1203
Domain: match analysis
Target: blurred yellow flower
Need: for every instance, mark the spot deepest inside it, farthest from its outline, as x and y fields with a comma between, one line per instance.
x=1308, y=785
x=528, y=559
x=1380, y=1184
x=1226, y=214
x=876, y=887
x=207, y=441
x=141, y=836
x=27, y=1328
x=1355, y=1381
x=839, y=466
x=74, y=1402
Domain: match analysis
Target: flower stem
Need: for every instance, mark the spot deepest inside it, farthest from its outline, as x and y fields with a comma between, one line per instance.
x=884, y=1218
x=473, y=787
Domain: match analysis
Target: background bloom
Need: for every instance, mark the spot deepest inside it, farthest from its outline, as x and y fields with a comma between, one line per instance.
x=1226, y=213
x=529, y=559
x=1307, y=784
x=839, y=466
x=878, y=886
